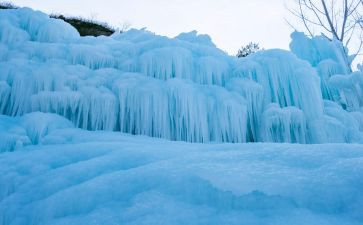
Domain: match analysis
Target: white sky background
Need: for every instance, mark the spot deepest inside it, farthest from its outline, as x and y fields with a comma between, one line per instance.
x=230, y=23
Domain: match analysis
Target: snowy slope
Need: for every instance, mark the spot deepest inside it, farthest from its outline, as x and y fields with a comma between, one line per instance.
x=181, y=88
x=74, y=176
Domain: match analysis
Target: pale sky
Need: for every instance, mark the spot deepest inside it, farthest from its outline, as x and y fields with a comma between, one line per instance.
x=230, y=23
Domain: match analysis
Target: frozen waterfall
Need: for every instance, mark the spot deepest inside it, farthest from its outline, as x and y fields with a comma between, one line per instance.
x=181, y=88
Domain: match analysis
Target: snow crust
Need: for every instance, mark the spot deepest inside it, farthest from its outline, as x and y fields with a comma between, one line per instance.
x=73, y=176
x=181, y=88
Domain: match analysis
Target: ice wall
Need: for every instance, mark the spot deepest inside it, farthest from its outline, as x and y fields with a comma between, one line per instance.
x=181, y=88
x=338, y=84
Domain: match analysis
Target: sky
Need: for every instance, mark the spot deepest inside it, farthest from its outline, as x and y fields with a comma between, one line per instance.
x=230, y=23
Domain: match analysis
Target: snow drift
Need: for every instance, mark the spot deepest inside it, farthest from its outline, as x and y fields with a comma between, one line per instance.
x=181, y=88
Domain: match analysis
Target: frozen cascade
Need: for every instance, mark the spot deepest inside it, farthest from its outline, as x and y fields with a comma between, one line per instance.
x=318, y=49
x=350, y=88
x=340, y=125
x=90, y=109
x=176, y=62
x=4, y=95
x=358, y=117
x=326, y=69
x=329, y=60
x=166, y=63
x=180, y=110
x=284, y=125
x=181, y=88
x=254, y=94
x=287, y=80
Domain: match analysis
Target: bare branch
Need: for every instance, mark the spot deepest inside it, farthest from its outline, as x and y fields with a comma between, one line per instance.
x=304, y=19
x=329, y=20
x=345, y=17
x=337, y=19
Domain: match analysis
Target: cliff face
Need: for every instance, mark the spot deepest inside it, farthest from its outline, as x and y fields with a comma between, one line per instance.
x=87, y=27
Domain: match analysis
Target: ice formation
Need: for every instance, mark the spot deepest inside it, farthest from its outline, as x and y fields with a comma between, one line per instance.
x=181, y=88
x=74, y=176
x=53, y=82
x=16, y=132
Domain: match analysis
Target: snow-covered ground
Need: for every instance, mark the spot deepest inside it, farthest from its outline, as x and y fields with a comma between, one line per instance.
x=74, y=176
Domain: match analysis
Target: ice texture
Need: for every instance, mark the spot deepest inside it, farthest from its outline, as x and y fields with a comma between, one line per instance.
x=16, y=132
x=73, y=176
x=181, y=88
x=124, y=88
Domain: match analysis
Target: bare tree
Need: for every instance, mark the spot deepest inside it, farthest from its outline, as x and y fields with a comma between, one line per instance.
x=336, y=19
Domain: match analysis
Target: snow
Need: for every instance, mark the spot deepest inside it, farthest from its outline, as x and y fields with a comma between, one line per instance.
x=71, y=176
x=181, y=88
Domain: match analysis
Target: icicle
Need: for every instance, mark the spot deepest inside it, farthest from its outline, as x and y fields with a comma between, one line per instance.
x=350, y=126
x=284, y=125
x=5, y=90
x=94, y=57
x=180, y=110
x=181, y=88
x=63, y=103
x=211, y=70
x=12, y=35
x=350, y=89
x=358, y=116
x=326, y=69
x=337, y=126
x=97, y=109
x=165, y=63
x=254, y=94
x=287, y=80
x=317, y=49
x=142, y=106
